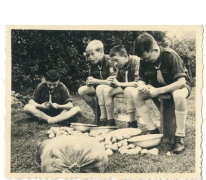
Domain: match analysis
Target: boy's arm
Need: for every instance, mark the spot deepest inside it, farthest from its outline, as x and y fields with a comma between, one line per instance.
x=180, y=83
x=67, y=106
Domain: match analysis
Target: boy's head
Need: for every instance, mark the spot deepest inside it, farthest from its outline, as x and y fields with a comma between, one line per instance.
x=146, y=48
x=95, y=51
x=52, y=79
x=118, y=54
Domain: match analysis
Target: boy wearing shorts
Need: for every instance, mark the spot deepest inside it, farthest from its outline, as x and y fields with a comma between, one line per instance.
x=51, y=101
x=161, y=71
x=126, y=77
x=101, y=67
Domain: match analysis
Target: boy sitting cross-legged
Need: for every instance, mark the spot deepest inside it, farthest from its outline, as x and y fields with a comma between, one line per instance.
x=126, y=77
x=51, y=101
x=101, y=67
x=161, y=71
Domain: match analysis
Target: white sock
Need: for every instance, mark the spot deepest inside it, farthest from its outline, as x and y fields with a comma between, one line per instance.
x=144, y=112
x=180, y=122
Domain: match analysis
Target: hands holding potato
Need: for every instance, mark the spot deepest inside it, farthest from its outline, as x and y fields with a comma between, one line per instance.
x=151, y=91
x=112, y=81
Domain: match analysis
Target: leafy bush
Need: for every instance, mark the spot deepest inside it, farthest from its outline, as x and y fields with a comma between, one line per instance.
x=186, y=48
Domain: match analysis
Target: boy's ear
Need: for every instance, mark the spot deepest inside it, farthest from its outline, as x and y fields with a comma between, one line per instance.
x=125, y=56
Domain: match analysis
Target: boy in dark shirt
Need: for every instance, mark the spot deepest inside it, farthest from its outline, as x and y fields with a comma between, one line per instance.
x=51, y=101
x=101, y=68
x=161, y=71
x=126, y=77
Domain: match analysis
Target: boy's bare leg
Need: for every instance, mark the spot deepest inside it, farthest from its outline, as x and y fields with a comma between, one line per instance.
x=31, y=110
x=180, y=101
x=101, y=101
x=131, y=110
x=143, y=110
x=64, y=115
x=109, y=94
x=85, y=93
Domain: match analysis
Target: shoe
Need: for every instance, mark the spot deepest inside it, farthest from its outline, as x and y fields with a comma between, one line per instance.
x=132, y=124
x=154, y=131
x=111, y=122
x=178, y=145
x=102, y=123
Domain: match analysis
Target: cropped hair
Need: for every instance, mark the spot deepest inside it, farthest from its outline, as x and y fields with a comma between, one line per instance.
x=142, y=43
x=120, y=49
x=96, y=45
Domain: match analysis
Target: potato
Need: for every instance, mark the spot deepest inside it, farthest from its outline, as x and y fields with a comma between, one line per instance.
x=124, y=143
x=119, y=144
x=139, y=148
x=114, y=140
x=144, y=151
x=109, y=152
x=108, y=147
x=114, y=147
x=52, y=135
x=130, y=151
x=123, y=151
x=131, y=146
x=123, y=147
x=73, y=132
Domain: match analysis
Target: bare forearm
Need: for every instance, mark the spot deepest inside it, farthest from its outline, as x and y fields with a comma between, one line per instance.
x=31, y=101
x=66, y=106
x=127, y=84
x=99, y=81
x=180, y=83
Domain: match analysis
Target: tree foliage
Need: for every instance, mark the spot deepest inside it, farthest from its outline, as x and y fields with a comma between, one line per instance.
x=35, y=51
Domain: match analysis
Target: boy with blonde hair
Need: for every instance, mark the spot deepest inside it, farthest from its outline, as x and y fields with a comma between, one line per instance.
x=161, y=71
x=126, y=77
x=101, y=67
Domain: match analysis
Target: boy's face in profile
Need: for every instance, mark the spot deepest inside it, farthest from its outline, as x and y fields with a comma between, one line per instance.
x=119, y=60
x=94, y=56
x=52, y=85
x=150, y=56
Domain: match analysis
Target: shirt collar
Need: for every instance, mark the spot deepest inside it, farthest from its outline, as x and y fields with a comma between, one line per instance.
x=127, y=65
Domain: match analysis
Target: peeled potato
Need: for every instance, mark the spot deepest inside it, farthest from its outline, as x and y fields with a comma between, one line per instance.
x=119, y=137
x=131, y=146
x=114, y=140
x=52, y=135
x=119, y=144
x=109, y=152
x=114, y=147
x=123, y=151
x=123, y=147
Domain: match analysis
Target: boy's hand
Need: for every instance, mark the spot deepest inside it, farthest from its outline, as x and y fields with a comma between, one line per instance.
x=144, y=89
x=153, y=92
x=90, y=81
x=45, y=105
x=112, y=81
x=55, y=105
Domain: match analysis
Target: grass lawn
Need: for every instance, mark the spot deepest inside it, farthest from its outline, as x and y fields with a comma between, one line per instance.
x=26, y=132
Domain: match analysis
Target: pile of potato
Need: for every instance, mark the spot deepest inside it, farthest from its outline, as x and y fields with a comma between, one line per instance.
x=112, y=141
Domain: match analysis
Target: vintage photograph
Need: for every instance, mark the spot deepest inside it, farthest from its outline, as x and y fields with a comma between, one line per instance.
x=119, y=100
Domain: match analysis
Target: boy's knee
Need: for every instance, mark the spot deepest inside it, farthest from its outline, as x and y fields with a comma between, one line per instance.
x=81, y=90
x=108, y=91
x=28, y=108
x=77, y=109
x=178, y=96
x=128, y=91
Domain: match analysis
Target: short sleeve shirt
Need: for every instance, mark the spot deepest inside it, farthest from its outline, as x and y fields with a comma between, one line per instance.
x=172, y=68
x=102, y=70
x=133, y=70
x=60, y=95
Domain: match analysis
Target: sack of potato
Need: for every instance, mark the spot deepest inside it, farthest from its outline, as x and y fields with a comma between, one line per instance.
x=72, y=154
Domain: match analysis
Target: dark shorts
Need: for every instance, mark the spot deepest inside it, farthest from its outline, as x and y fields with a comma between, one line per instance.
x=52, y=112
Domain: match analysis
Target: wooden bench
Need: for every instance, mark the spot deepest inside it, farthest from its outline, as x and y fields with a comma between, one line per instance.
x=165, y=105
